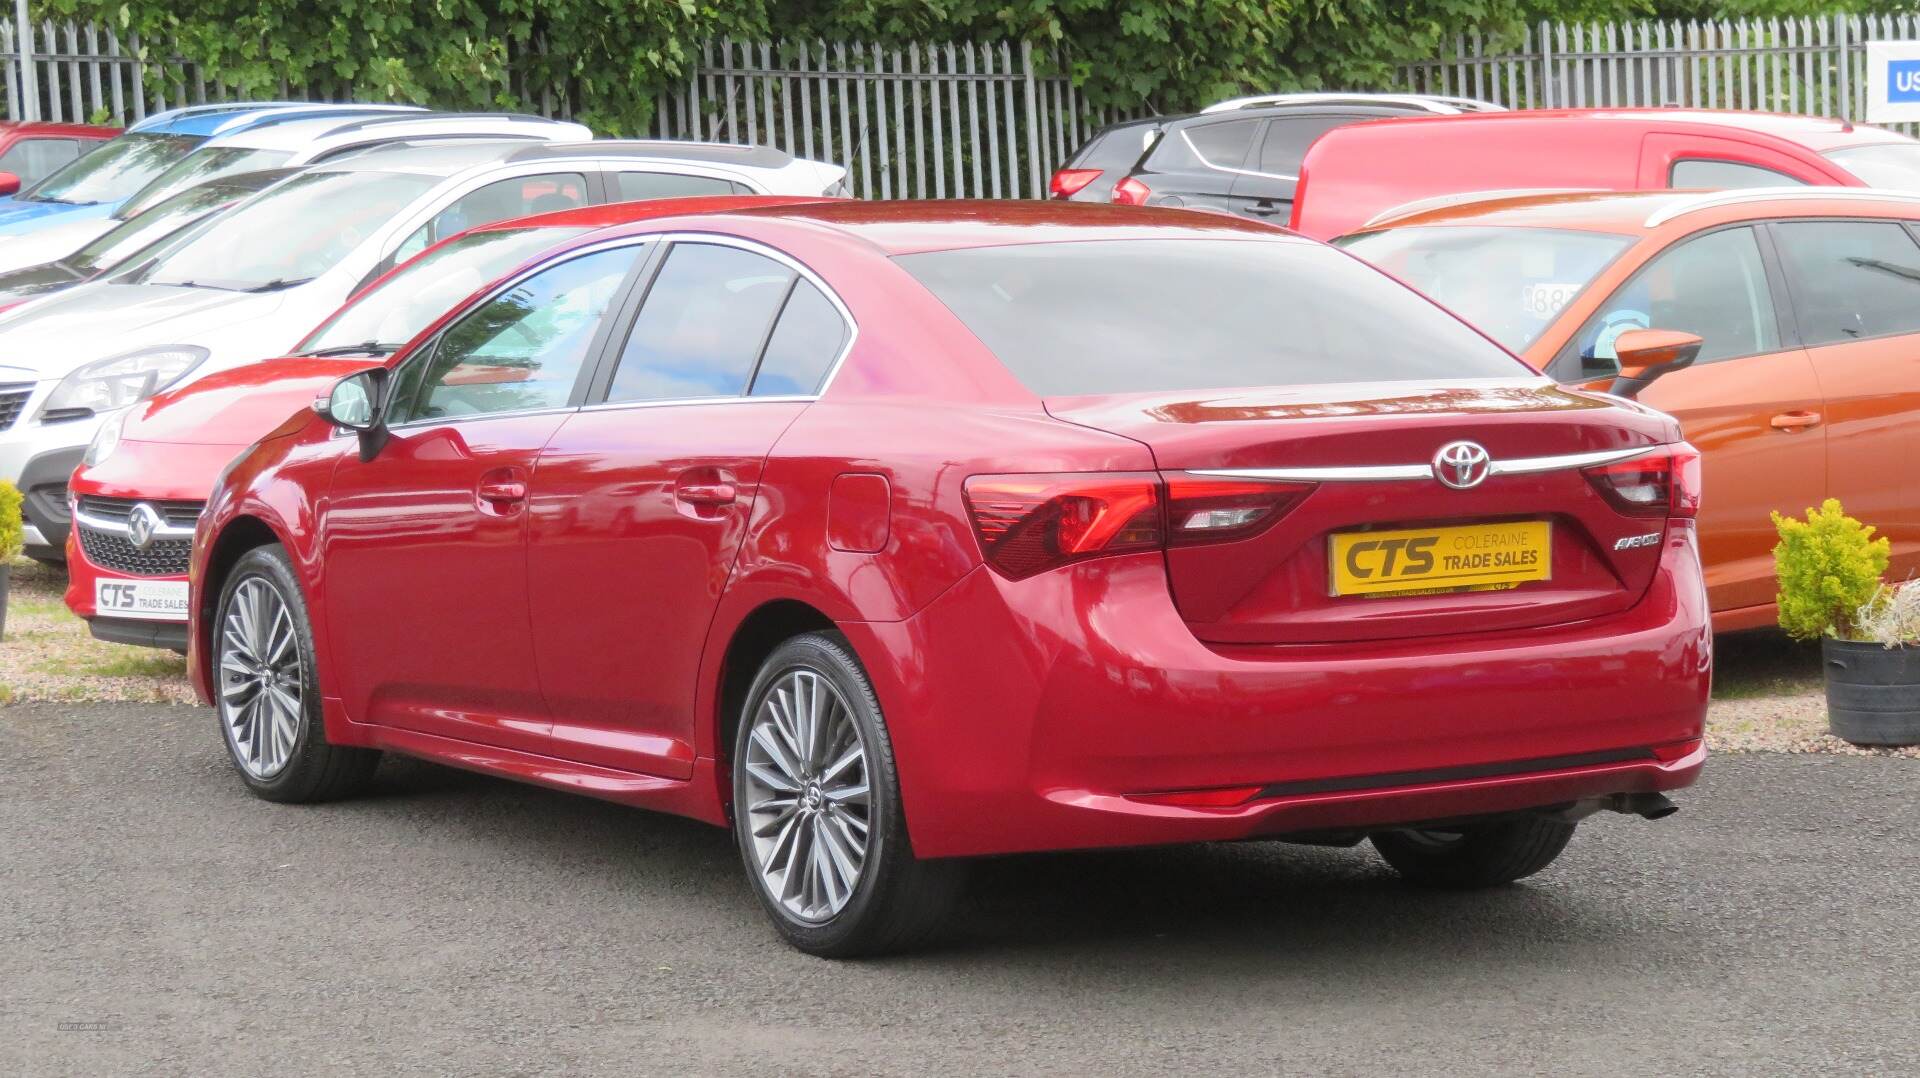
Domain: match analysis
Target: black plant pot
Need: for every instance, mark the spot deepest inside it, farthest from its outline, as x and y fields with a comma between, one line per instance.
x=5, y=571
x=1873, y=692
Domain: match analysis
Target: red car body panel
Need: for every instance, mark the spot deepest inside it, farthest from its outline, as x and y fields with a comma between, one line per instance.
x=1353, y=173
x=175, y=444
x=1042, y=713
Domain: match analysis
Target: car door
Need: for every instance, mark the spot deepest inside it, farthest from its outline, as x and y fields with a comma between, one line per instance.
x=1750, y=403
x=1195, y=166
x=641, y=499
x=424, y=544
x=1265, y=188
x=1856, y=297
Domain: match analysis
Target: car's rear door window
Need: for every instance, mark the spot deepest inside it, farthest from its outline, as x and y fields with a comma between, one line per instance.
x=1851, y=279
x=803, y=346
x=1215, y=145
x=520, y=196
x=702, y=325
x=636, y=186
x=1127, y=316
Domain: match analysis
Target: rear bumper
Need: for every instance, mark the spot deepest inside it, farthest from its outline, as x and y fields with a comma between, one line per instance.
x=1035, y=715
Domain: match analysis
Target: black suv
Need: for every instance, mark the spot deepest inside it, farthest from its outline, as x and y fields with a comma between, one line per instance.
x=1242, y=156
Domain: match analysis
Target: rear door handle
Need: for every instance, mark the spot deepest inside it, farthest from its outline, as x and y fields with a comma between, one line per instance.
x=502, y=488
x=705, y=494
x=1792, y=421
x=1265, y=208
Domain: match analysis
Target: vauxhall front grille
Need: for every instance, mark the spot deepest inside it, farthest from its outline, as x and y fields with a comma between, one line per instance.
x=105, y=538
x=13, y=399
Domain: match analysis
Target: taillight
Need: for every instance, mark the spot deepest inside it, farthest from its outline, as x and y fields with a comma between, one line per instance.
x=1068, y=181
x=1664, y=482
x=1028, y=524
x=1131, y=192
x=1202, y=510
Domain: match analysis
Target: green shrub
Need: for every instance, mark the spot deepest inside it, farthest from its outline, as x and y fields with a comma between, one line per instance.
x=1829, y=566
x=11, y=530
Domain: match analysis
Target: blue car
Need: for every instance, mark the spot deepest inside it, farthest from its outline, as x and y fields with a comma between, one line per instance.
x=94, y=184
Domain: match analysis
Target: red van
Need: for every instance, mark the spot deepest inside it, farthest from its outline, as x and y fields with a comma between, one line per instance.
x=1353, y=174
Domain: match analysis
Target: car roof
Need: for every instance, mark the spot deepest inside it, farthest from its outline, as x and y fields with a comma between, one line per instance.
x=1642, y=212
x=208, y=121
x=436, y=158
x=910, y=227
x=717, y=153
x=303, y=132
x=1816, y=133
x=49, y=127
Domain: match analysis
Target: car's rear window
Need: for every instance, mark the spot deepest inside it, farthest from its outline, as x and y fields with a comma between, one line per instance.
x=1142, y=316
x=1115, y=147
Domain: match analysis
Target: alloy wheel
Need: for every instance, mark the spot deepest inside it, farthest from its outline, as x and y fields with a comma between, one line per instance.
x=262, y=705
x=808, y=805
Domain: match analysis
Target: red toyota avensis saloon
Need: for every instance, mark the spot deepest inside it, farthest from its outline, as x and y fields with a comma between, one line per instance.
x=893, y=534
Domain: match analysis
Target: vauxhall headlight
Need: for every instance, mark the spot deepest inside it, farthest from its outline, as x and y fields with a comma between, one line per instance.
x=105, y=440
x=106, y=384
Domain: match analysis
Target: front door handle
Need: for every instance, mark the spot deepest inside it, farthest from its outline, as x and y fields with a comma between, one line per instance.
x=503, y=489
x=1793, y=421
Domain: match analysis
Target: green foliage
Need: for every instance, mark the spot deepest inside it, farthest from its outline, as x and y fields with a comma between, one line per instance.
x=611, y=58
x=11, y=529
x=1829, y=566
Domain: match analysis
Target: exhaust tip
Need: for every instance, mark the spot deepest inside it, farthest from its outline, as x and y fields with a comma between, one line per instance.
x=1648, y=806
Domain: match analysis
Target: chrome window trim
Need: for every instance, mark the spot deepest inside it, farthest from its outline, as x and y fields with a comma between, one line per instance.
x=1381, y=473
x=754, y=246
x=1207, y=161
x=114, y=527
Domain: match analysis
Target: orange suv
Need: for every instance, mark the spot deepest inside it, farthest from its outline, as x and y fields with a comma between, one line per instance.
x=1806, y=301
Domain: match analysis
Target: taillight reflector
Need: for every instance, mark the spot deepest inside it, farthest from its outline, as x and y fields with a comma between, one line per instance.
x=1131, y=192
x=1664, y=482
x=1069, y=181
x=1028, y=524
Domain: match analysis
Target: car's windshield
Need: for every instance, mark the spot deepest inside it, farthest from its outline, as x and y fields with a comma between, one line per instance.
x=206, y=163
x=392, y=312
x=291, y=234
x=1510, y=283
x=1884, y=164
x=114, y=170
x=1138, y=316
x=152, y=226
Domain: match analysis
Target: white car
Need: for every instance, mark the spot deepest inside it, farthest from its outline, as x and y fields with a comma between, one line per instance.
x=252, y=282
x=289, y=141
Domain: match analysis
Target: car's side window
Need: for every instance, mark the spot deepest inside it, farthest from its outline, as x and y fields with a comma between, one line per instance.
x=702, y=326
x=1716, y=173
x=497, y=201
x=1713, y=285
x=32, y=158
x=522, y=349
x=636, y=186
x=1223, y=145
x=1287, y=140
x=805, y=342
x=1850, y=279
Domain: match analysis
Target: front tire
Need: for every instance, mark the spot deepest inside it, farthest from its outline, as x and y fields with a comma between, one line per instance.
x=267, y=693
x=1482, y=855
x=816, y=807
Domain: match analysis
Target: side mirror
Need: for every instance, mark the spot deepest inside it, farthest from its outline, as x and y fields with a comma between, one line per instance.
x=9, y=183
x=1646, y=354
x=358, y=403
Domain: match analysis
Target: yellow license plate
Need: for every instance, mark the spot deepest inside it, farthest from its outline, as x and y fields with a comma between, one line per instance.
x=1476, y=557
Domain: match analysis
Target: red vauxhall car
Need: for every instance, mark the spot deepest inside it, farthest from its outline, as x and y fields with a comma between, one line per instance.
x=891, y=534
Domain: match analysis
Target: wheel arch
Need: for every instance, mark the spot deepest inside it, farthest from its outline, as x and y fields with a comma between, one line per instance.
x=765, y=628
x=237, y=536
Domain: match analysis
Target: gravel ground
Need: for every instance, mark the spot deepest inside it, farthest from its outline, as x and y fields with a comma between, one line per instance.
x=158, y=920
x=1768, y=688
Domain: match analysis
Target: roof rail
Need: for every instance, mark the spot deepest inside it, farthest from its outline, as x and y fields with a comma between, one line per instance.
x=1706, y=200
x=422, y=114
x=282, y=112
x=1465, y=198
x=1430, y=103
x=189, y=111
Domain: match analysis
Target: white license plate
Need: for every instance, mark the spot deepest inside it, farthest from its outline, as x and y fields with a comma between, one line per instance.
x=149, y=600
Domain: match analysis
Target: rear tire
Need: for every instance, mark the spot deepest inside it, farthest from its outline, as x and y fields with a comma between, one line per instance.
x=262, y=656
x=816, y=810
x=1483, y=855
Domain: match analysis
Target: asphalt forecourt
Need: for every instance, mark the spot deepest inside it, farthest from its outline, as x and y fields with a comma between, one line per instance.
x=159, y=918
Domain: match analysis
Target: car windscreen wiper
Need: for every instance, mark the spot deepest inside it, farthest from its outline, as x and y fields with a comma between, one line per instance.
x=278, y=284
x=364, y=348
